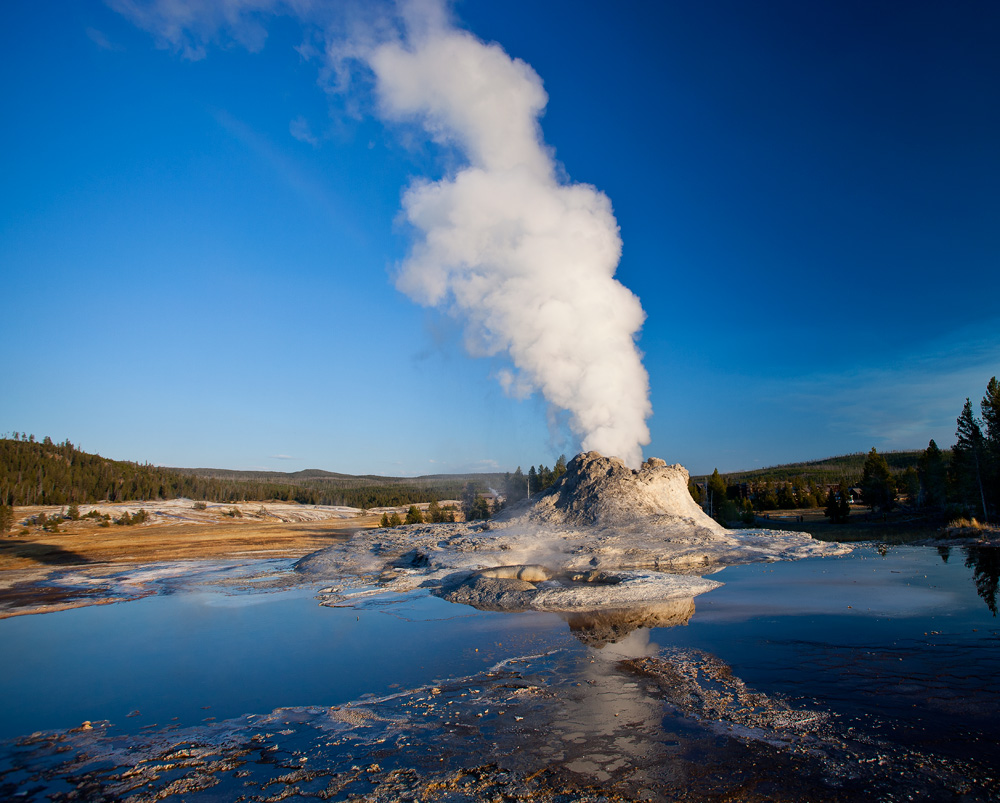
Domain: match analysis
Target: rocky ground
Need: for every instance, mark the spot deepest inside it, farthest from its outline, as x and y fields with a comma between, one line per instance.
x=551, y=727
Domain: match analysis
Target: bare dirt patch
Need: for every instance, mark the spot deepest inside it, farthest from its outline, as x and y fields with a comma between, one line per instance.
x=86, y=543
x=175, y=529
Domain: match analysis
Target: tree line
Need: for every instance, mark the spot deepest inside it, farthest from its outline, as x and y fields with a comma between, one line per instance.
x=475, y=505
x=435, y=514
x=519, y=486
x=45, y=473
x=963, y=481
x=966, y=486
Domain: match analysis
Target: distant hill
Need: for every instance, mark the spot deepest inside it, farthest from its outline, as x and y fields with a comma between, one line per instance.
x=828, y=470
x=315, y=475
x=46, y=473
x=375, y=490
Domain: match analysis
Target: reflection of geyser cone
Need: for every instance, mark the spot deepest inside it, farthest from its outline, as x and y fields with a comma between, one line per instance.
x=597, y=628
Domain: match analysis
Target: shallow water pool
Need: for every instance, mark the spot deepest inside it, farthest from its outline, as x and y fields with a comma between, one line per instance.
x=823, y=677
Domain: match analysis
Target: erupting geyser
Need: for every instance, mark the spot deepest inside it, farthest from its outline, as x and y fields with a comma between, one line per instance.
x=525, y=259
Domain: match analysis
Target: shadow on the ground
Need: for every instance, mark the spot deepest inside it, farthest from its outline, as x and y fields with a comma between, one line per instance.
x=47, y=554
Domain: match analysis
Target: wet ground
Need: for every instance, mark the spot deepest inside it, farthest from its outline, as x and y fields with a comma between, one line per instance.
x=869, y=676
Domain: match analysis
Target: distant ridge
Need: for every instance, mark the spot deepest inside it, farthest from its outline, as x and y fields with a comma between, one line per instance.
x=46, y=473
x=828, y=469
x=333, y=477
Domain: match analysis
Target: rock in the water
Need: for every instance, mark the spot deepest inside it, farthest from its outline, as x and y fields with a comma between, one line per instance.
x=490, y=593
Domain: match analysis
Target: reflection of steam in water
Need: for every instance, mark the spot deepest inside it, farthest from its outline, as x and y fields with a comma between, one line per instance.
x=615, y=722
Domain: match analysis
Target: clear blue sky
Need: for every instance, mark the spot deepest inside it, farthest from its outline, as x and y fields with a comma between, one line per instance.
x=198, y=236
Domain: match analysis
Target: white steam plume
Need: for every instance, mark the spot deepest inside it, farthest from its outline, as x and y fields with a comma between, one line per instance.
x=526, y=260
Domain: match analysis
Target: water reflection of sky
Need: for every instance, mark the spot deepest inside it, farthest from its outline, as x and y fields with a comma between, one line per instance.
x=900, y=646
x=206, y=654
x=199, y=653
x=905, y=582
x=903, y=639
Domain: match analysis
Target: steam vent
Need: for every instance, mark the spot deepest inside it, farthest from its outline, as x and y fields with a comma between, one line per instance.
x=605, y=544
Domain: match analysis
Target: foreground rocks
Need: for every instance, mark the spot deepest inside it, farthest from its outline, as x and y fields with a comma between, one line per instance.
x=604, y=537
x=670, y=725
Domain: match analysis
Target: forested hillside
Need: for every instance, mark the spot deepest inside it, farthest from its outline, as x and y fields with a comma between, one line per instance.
x=46, y=473
x=828, y=471
x=963, y=481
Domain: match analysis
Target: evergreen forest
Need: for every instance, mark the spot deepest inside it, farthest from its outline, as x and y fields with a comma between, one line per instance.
x=958, y=482
x=45, y=473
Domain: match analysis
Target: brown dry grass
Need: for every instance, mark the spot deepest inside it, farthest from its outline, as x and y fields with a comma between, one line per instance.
x=82, y=543
x=965, y=524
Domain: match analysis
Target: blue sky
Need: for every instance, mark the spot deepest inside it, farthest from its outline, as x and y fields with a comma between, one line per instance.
x=199, y=238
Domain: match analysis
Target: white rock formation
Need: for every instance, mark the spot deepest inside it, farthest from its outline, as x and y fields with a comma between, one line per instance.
x=603, y=491
x=604, y=537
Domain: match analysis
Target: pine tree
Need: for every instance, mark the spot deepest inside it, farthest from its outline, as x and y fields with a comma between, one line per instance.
x=838, y=509
x=515, y=487
x=991, y=414
x=716, y=493
x=468, y=500
x=969, y=454
x=545, y=477
x=695, y=491
x=990, y=407
x=909, y=483
x=414, y=516
x=878, y=489
x=766, y=497
x=786, y=499
x=933, y=477
x=384, y=521
x=481, y=508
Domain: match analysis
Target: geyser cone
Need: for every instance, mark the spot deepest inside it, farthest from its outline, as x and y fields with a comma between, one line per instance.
x=603, y=491
x=604, y=538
